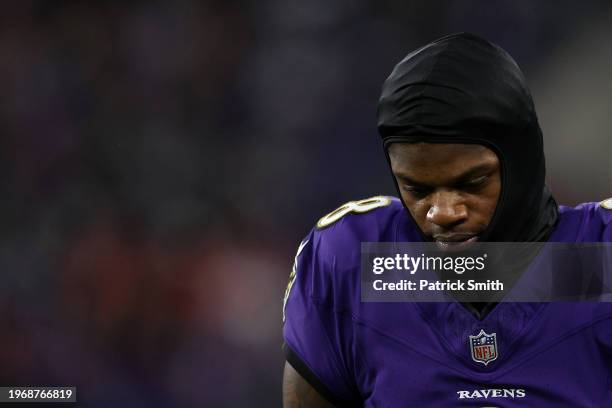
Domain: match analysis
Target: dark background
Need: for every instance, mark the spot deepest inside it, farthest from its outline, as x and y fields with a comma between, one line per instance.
x=162, y=160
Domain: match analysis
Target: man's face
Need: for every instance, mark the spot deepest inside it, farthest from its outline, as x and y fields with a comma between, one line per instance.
x=451, y=190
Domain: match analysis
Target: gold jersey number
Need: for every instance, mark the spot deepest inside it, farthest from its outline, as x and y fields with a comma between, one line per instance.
x=292, y=275
x=353, y=207
x=607, y=204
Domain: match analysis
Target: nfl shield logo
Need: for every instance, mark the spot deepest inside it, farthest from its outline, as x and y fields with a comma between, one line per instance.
x=483, y=347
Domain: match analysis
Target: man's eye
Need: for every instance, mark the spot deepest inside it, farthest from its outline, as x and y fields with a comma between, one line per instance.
x=476, y=182
x=418, y=192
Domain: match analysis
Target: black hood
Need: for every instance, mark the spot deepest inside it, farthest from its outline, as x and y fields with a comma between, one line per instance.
x=463, y=89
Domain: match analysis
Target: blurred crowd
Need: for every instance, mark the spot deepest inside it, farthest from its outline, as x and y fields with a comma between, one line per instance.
x=162, y=160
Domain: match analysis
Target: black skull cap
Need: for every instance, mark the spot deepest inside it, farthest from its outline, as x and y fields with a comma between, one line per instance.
x=463, y=89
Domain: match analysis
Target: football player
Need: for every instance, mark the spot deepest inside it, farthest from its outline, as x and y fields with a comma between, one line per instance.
x=462, y=138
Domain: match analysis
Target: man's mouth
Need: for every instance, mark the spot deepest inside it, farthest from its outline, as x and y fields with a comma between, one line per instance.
x=455, y=241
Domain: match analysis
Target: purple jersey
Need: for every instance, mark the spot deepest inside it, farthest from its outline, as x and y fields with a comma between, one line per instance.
x=440, y=354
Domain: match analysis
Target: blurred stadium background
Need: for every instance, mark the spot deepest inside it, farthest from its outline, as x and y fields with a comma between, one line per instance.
x=162, y=160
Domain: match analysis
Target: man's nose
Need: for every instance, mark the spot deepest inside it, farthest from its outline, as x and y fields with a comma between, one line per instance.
x=447, y=209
